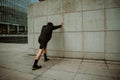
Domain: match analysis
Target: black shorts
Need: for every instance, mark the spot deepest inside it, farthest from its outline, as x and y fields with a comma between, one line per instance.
x=42, y=43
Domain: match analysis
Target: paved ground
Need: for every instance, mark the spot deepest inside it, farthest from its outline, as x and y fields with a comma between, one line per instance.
x=15, y=64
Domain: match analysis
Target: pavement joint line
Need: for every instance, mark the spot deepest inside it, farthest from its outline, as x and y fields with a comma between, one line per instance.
x=44, y=72
x=96, y=75
x=40, y=75
x=63, y=71
x=53, y=69
x=17, y=70
x=19, y=54
x=109, y=69
x=78, y=69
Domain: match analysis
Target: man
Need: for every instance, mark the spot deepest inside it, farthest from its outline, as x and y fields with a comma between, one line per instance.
x=45, y=36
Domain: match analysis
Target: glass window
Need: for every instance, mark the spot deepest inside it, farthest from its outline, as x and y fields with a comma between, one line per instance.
x=3, y=29
x=13, y=29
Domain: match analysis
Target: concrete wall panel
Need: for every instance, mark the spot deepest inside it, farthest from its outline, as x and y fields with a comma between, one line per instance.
x=36, y=43
x=54, y=7
x=93, y=20
x=78, y=5
x=30, y=11
x=68, y=6
x=73, y=54
x=91, y=28
x=94, y=42
x=113, y=42
x=56, y=19
x=56, y=43
x=31, y=51
x=93, y=4
x=40, y=9
x=73, y=22
x=73, y=41
x=31, y=25
x=112, y=56
x=112, y=3
x=38, y=23
x=56, y=53
x=30, y=40
x=94, y=55
x=113, y=19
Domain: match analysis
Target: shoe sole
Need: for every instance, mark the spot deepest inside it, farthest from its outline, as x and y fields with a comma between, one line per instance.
x=46, y=60
x=36, y=68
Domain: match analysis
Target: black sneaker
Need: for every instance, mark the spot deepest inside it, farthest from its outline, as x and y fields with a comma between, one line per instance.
x=36, y=67
x=45, y=60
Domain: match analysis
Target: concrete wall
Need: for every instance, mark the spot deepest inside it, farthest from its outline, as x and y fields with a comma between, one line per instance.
x=91, y=28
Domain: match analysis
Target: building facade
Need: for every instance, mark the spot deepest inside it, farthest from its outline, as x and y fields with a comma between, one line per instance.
x=91, y=28
x=13, y=20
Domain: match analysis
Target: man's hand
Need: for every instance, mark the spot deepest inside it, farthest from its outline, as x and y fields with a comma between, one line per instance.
x=62, y=23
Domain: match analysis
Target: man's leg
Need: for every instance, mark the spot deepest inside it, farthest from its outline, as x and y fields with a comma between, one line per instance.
x=45, y=55
x=38, y=56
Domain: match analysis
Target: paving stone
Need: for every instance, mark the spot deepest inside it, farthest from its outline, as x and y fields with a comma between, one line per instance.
x=18, y=75
x=91, y=77
x=94, y=68
x=115, y=70
x=58, y=75
x=16, y=64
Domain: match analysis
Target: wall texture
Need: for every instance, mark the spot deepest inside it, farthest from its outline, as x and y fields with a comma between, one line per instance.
x=91, y=28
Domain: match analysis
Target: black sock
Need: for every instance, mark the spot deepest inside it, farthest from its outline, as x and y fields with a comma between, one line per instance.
x=35, y=63
x=45, y=56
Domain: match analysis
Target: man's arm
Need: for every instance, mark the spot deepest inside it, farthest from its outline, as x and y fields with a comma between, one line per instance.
x=58, y=26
